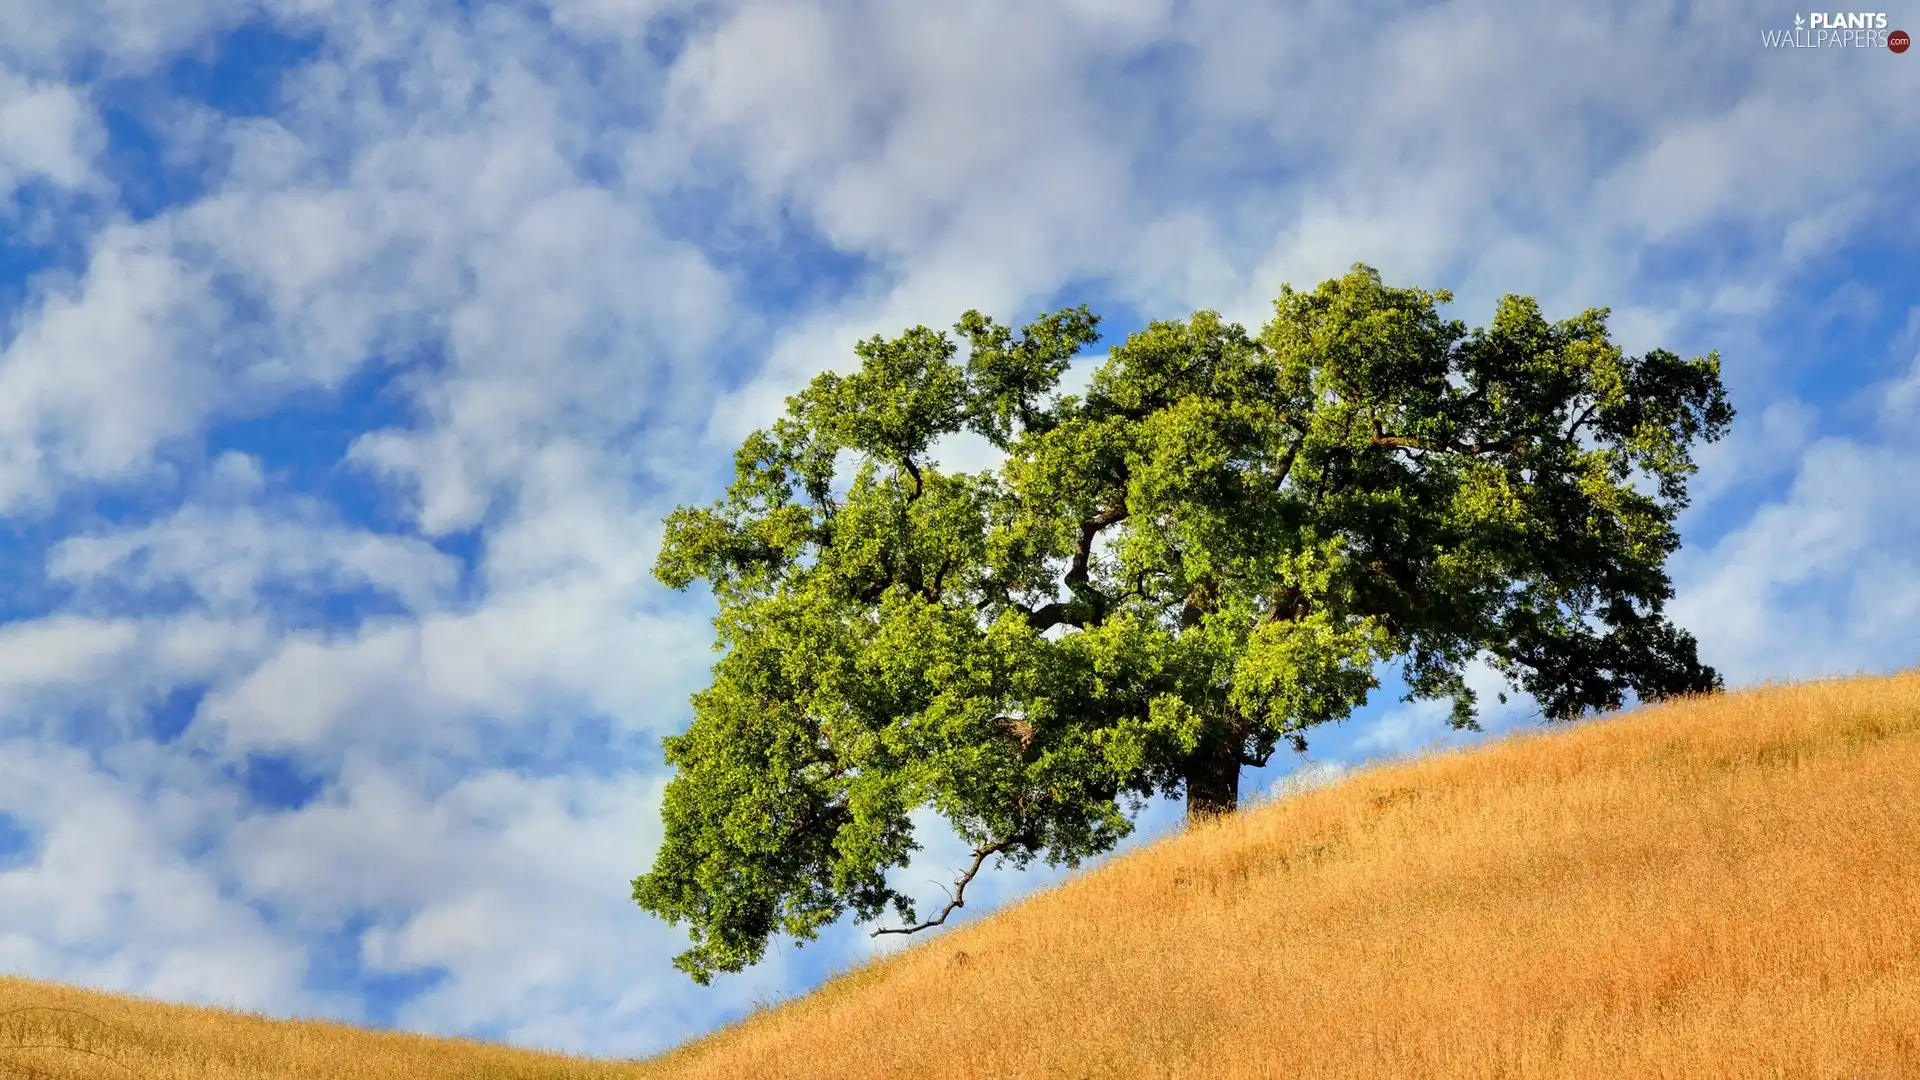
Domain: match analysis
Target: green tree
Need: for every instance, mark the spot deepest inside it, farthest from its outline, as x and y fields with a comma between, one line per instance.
x=1210, y=551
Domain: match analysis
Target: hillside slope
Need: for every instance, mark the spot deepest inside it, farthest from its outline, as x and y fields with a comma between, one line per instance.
x=1723, y=887
x=1718, y=887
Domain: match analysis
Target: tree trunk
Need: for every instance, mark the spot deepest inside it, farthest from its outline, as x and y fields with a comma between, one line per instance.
x=1213, y=781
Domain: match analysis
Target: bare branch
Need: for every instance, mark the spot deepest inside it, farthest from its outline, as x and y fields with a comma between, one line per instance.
x=1190, y=614
x=1286, y=463
x=1048, y=616
x=1199, y=603
x=1077, y=576
x=1401, y=442
x=913, y=471
x=1286, y=605
x=1580, y=421
x=1089, y=604
x=1016, y=728
x=1089, y=531
x=1256, y=762
x=959, y=894
x=1403, y=579
x=888, y=578
x=940, y=577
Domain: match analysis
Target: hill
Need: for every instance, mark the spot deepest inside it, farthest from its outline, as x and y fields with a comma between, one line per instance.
x=1725, y=886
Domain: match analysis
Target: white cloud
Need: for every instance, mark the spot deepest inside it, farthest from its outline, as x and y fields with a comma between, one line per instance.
x=1310, y=777
x=59, y=670
x=60, y=649
x=225, y=555
x=110, y=901
x=48, y=131
x=101, y=374
x=1758, y=448
x=414, y=689
x=518, y=888
x=617, y=19
x=129, y=36
x=1821, y=581
x=1418, y=726
x=1900, y=401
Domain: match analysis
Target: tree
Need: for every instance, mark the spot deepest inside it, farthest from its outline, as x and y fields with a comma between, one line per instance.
x=1210, y=551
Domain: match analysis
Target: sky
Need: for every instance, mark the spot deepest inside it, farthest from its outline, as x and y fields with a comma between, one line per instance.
x=353, y=353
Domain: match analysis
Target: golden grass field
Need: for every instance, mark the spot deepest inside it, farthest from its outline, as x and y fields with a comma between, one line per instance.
x=1717, y=887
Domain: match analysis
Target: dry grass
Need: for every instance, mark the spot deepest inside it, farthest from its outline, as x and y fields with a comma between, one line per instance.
x=53, y=1032
x=1724, y=887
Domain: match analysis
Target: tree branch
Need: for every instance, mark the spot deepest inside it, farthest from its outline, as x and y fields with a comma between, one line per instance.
x=1403, y=579
x=889, y=576
x=1048, y=616
x=1017, y=728
x=980, y=856
x=940, y=576
x=1077, y=576
x=1190, y=613
x=1580, y=421
x=1286, y=463
x=1198, y=604
x=1401, y=442
x=1286, y=605
x=913, y=471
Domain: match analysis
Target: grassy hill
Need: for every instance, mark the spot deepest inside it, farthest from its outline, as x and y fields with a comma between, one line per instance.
x=1724, y=887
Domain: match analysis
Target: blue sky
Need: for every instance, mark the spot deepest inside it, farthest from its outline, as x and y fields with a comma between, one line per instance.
x=353, y=353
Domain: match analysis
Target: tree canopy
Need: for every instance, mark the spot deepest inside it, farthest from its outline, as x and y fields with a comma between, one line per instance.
x=1212, y=550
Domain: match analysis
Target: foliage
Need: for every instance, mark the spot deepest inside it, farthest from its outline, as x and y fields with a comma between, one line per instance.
x=1209, y=552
